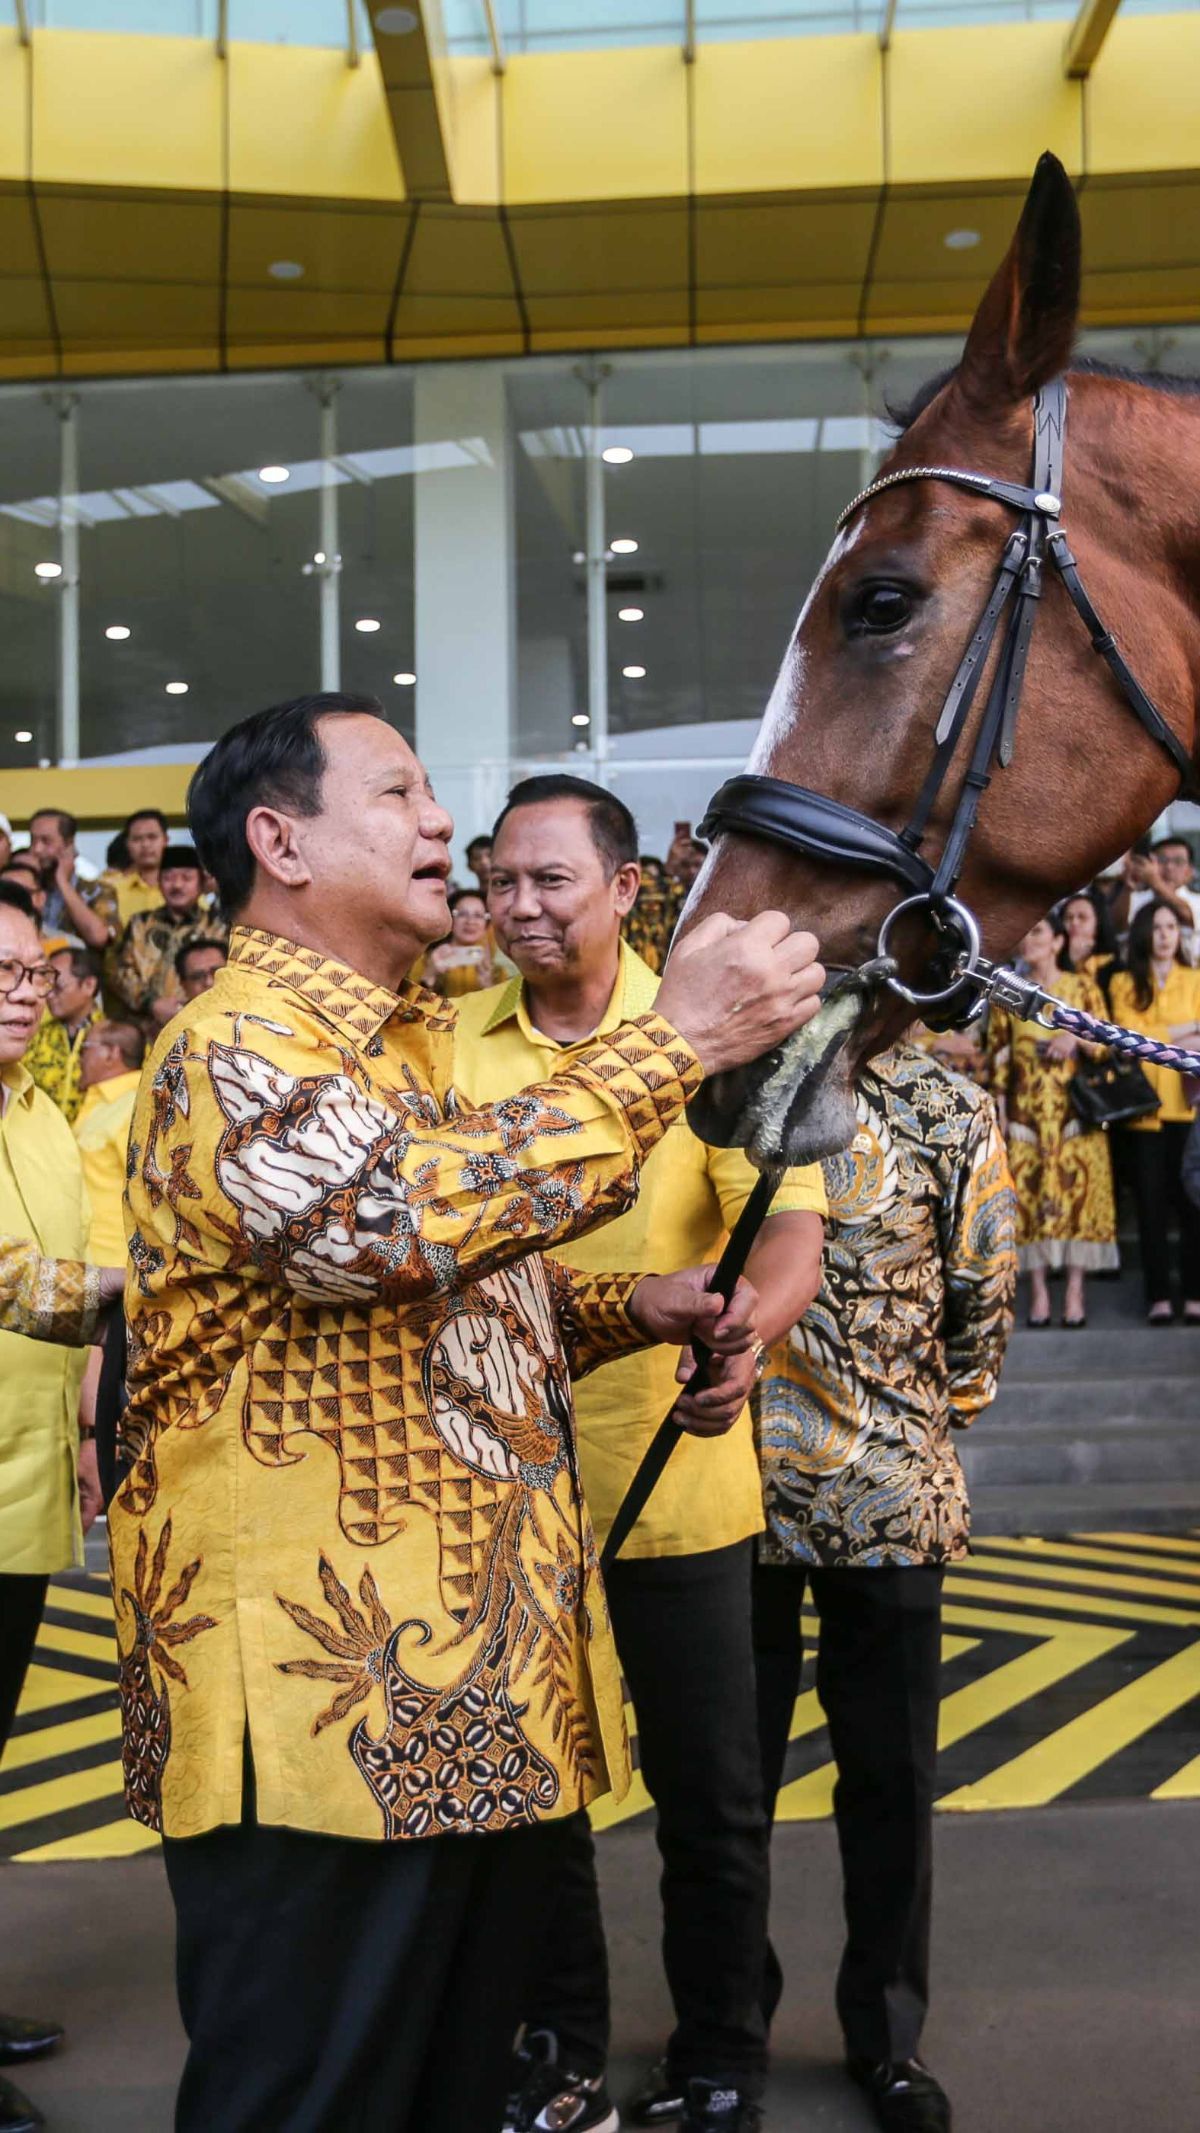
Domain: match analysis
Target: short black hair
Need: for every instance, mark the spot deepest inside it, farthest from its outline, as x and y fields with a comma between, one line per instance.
x=15, y=898
x=25, y=862
x=614, y=831
x=459, y=894
x=146, y=814
x=1160, y=845
x=272, y=759
x=68, y=826
x=192, y=946
x=116, y=852
x=126, y=1038
x=180, y=855
x=85, y=963
x=476, y=842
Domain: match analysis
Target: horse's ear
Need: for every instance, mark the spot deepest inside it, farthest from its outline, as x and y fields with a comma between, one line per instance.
x=1023, y=331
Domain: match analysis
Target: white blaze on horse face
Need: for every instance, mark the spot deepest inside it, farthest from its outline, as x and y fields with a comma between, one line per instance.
x=785, y=701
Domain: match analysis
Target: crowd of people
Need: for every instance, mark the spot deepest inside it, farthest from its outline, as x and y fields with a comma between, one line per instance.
x=410, y=1286
x=1125, y=949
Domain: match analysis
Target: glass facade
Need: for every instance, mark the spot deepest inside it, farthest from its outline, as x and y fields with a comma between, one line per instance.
x=309, y=22
x=618, y=548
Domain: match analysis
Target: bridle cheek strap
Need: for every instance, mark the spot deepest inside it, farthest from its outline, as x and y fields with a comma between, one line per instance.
x=826, y=829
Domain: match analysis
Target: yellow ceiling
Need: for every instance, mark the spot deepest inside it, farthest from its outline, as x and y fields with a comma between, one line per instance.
x=799, y=187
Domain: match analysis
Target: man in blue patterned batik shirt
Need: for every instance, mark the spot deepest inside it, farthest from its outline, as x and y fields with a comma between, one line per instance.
x=866, y=1503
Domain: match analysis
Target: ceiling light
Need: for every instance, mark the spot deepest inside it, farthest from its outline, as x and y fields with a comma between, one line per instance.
x=177, y=688
x=118, y=631
x=634, y=673
x=319, y=556
x=579, y=556
x=47, y=570
x=624, y=547
x=274, y=474
x=404, y=681
x=23, y=735
x=961, y=240
x=617, y=455
x=631, y=614
x=368, y=625
x=285, y=270
x=580, y=718
x=396, y=21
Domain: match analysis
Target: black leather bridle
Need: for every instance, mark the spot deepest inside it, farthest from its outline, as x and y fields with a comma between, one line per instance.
x=822, y=828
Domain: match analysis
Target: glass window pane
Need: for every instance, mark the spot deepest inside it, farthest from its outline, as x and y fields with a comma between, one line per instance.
x=374, y=415
x=548, y=411
x=29, y=604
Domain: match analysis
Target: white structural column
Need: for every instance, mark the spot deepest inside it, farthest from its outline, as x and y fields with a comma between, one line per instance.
x=329, y=566
x=66, y=407
x=465, y=591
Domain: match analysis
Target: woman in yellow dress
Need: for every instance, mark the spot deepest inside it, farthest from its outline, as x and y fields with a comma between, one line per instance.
x=1090, y=944
x=1159, y=996
x=464, y=961
x=1066, y=1212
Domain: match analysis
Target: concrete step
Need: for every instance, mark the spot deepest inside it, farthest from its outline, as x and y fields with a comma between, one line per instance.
x=1135, y=1350
x=1120, y=1450
x=1090, y=1401
x=1097, y=1507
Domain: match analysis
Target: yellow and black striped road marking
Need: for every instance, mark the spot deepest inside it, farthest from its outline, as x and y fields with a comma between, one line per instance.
x=1072, y=1672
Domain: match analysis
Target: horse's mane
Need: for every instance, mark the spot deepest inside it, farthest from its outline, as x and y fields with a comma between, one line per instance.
x=903, y=415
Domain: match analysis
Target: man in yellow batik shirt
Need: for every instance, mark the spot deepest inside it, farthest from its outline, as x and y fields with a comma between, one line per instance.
x=110, y=1065
x=357, y=1585
x=564, y=875
x=55, y=1056
x=43, y=1209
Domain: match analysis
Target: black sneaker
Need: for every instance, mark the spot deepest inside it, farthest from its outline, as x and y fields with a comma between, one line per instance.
x=907, y=2097
x=660, y=2099
x=545, y=2097
x=714, y=2109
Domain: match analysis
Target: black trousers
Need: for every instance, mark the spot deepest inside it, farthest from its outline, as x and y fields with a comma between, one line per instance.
x=329, y=1986
x=682, y=1627
x=1156, y=1168
x=21, y=1602
x=878, y=1664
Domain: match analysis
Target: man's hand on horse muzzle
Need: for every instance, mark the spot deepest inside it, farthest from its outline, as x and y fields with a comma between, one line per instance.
x=735, y=988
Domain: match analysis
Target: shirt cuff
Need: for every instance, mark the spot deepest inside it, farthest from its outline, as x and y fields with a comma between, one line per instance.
x=593, y=1316
x=650, y=1070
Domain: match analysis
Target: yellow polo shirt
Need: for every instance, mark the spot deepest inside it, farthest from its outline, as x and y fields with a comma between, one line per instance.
x=102, y=1137
x=42, y=1200
x=690, y=1197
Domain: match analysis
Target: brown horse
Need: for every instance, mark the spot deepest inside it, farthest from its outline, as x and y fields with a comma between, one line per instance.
x=853, y=712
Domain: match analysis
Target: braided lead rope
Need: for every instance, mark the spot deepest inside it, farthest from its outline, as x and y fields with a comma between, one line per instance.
x=1030, y=1004
x=1126, y=1041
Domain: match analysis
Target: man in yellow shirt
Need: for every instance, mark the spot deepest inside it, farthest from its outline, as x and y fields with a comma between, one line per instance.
x=357, y=1588
x=110, y=1068
x=54, y=1057
x=42, y=1204
x=564, y=875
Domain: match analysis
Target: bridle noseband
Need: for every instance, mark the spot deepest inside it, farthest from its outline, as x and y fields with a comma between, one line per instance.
x=822, y=828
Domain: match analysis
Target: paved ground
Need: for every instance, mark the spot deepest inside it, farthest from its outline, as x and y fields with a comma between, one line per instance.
x=1067, y=1975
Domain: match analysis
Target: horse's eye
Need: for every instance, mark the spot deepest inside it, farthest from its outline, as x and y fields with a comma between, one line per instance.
x=877, y=610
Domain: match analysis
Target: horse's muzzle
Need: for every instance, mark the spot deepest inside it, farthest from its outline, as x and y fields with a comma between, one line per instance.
x=796, y=1103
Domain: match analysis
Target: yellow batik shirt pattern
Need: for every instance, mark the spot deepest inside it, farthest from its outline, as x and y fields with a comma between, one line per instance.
x=690, y=1198
x=143, y=967
x=353, y=1523
x=56, y=1300
x=905, y=1339
x=53, y=1059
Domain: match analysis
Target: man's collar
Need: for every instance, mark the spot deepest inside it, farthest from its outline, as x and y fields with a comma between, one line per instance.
x=632, y=994
x=17, y=1080
x=117, y=1085
x=338, y=993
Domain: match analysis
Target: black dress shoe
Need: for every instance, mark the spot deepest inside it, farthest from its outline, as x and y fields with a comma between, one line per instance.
x=22, y=2039
x=906, y=2097
x=660, y=2100
x=17, y=2114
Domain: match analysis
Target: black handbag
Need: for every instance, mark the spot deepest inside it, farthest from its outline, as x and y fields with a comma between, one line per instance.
x=1110, y=1091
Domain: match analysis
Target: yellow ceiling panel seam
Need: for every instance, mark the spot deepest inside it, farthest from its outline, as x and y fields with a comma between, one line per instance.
x=885, y=157
x=39, y=235
x=225, y=227
x=688, y=56
x=506, y=227
x=410, y=238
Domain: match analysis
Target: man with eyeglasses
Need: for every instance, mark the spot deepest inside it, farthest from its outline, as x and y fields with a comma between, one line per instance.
x=43, y=1468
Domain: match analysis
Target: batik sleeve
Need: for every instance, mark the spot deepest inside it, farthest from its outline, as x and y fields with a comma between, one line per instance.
x=269, y=1148
x=47, y=1299
x=980, y=1257
x=593, y=1316
x=133, y=966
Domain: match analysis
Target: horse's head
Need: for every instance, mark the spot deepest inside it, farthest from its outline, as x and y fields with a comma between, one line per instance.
x=879, y=641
